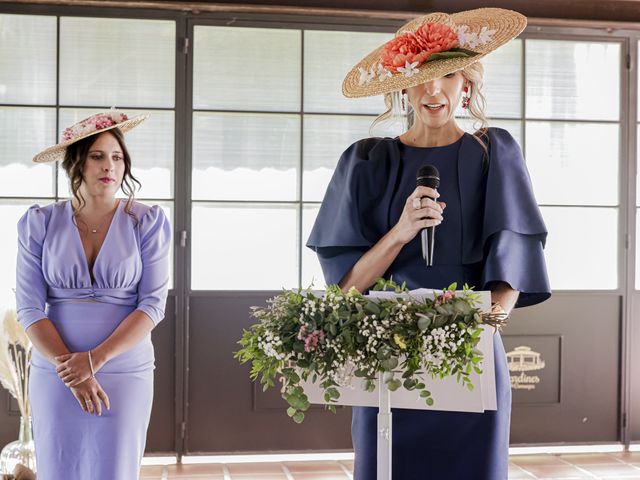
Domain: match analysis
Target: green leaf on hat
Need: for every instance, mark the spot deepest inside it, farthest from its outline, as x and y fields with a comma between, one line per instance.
x=453, y=53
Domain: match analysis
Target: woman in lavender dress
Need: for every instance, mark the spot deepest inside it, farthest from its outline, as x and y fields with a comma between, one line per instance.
x=92, y=278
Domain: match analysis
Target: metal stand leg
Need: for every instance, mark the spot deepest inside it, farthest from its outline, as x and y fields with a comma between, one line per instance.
x=384, y=431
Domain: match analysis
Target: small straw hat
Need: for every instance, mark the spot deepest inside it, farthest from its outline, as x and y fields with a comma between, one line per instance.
x=431, y=47
x=97, y=123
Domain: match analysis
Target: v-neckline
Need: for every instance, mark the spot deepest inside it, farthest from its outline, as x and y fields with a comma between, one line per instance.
x=90, y=271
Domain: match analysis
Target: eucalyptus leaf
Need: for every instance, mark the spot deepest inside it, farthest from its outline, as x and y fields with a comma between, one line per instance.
x=390, y=363
x=394, y=385
x=439, y=321
x=424, y=323
x=372, y=308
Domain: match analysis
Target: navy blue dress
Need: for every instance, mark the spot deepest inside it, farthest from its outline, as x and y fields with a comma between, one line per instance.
x=492, y=231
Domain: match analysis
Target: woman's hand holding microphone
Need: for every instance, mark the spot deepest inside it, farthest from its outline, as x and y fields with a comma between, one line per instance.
x=419, y=212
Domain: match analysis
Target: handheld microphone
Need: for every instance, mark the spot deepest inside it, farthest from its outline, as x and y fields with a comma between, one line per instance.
x=428, y=176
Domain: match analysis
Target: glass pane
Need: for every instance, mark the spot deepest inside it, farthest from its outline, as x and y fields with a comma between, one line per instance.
x=246, y=69
x=572, y=80
x=244, y=247
x=27, y=59
x=325, y=138
x=503, y=81
x=151, y=145
x=573, y=240
x=245, y=156
x=23, y=133
x=328, y=57
x=567, y=170
x=10, y=213
x=311, y=270
x=121, y=62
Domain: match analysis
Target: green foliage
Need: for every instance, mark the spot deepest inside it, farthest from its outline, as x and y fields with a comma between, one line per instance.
x=300, y=336
x=453, y=53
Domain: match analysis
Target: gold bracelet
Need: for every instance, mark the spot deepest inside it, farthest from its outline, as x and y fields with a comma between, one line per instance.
x=93, y=373
x=497, y=318
x=496, y=307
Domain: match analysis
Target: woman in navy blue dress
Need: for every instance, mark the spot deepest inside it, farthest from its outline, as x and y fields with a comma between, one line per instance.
x=489, y=231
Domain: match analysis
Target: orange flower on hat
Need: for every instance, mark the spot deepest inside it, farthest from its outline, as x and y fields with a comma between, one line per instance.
x=402, y=49
x=418, y=46
x=436, y=37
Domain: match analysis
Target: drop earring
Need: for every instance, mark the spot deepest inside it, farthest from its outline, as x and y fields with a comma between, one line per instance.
x=466, y=98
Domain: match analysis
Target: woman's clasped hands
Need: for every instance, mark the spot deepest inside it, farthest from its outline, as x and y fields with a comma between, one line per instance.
x=77, y=372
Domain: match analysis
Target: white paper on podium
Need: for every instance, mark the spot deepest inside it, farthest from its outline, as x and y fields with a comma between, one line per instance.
x=447, y=394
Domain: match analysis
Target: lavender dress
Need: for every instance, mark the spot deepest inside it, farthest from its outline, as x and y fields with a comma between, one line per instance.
x=131, y=272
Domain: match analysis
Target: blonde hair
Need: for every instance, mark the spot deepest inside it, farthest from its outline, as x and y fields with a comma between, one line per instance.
x=474, y=74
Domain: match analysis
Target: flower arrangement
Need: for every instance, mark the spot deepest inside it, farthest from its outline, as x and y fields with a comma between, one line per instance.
x=430, y=41
x=331, y=338
x=15, y=356
x=93, y=124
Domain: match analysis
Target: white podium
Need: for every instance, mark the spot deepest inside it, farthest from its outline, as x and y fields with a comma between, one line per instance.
x=447, y=394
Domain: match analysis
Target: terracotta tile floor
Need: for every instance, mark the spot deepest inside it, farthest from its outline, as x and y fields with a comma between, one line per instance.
x=604, y=466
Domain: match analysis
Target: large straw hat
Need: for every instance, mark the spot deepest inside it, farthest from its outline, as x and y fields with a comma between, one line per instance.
x=430, y=47
x=97, y=123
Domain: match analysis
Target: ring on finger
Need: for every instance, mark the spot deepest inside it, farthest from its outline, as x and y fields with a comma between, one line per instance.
x=417, y=203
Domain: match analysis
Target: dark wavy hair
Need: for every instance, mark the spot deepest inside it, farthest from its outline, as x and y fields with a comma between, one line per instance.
x=76, y=156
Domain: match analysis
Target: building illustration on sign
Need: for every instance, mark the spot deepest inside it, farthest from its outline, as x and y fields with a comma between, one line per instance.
x=522, y=360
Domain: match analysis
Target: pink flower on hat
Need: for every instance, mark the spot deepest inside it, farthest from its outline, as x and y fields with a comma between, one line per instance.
x=418, y=46
x=94, y=123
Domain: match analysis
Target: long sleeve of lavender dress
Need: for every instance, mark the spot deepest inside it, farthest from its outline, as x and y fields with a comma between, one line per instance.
x=53, y=280
x=155, y=242
x=31, y=288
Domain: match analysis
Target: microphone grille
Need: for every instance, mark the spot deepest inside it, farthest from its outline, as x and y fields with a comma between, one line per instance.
x=428, y=176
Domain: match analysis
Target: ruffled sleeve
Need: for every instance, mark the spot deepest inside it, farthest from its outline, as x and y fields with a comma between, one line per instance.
x=31, y=287
x=514, y=233
x=348, y=224
x=155, y=242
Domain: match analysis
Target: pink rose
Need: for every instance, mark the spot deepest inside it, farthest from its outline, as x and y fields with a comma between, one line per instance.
x=311, y=342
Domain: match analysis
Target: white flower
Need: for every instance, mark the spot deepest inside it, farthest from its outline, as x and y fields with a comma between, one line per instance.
x=409, y=69
x=383, y=73
x=465, y=38
x=365, y=76
x=485, y=35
